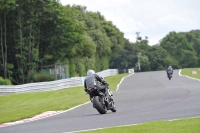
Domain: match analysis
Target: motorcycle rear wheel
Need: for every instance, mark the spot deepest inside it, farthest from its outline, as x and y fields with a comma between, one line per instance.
x=101, y=108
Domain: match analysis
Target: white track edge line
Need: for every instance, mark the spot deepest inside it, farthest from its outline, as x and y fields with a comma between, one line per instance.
x=186, y=76
x=122, y=80
x=43, y=117
x=130, y=125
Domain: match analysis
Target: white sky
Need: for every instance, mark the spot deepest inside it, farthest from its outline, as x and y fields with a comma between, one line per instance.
x=152, y=18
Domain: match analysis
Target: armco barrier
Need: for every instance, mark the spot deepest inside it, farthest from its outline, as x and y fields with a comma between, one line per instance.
x=52, y=85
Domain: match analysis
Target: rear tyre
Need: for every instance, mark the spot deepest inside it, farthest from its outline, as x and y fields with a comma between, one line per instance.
x=101, y=108
x=170, y=76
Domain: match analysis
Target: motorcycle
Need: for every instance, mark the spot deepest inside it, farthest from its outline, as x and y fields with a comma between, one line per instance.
x=169, y=76
x=102, y=100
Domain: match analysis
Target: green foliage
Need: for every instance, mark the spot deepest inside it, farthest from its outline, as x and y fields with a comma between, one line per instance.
x=43, y=32
x=183, y=48
x=10, y=70
x=145, y=63
x=89, y=63
x=193, y=37
x=116, y=37
x=80, y=67
x=156, y=55
x=72, y=68
x=5, y=81
x=169, y=61
x=40, y=77
x=176, y=49
x=104, y=62
x=125, y=57
x=189, y=59
x=176, y=45
x=87, y=48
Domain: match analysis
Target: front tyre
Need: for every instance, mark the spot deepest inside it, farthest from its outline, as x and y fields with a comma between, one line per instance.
x=101, y=108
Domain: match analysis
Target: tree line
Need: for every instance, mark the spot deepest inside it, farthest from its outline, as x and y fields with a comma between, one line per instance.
x=180, y=50
x=36, y=33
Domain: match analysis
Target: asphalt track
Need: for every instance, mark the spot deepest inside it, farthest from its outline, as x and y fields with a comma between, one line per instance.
x=142, y=97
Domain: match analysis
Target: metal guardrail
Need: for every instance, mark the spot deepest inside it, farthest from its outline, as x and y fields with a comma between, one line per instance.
x=52, y=85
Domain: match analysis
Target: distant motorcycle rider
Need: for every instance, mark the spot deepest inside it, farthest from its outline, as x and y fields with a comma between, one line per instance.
x=93, y=80
x=169, y=70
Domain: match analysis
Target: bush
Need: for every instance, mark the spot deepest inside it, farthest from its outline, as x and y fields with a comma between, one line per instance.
x=40, y=77
x=5, y=81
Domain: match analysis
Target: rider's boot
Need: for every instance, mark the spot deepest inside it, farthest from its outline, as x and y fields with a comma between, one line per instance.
x=110, y=94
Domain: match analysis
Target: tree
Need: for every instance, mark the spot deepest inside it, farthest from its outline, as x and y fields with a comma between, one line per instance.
x=175, y=45
x=5, y=7
x=193, y=37
x=169, y=61
x=189, y=59
x=156, y=55
x=145, y=63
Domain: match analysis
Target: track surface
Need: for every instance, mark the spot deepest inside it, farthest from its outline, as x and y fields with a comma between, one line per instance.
x=142, y=97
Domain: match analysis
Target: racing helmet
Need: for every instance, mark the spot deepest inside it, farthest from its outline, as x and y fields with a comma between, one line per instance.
x=90, y=72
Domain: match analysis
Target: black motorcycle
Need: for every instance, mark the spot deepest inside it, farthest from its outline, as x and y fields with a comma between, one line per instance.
x=169, y=76
x=101, y=100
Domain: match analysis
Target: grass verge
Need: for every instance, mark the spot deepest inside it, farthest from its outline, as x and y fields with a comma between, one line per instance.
x=191, y=125
x=188, y=72
x=19, y=106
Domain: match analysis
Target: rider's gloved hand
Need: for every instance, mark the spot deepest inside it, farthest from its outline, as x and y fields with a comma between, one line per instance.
x=104, y=82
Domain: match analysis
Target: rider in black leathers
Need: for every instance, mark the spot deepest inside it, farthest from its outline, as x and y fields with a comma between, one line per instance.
x=169, y=70
x=92, y=80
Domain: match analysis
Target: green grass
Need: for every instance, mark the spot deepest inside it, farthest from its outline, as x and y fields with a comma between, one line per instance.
x=178, y=126
x=19, y=106
x=188, y=72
